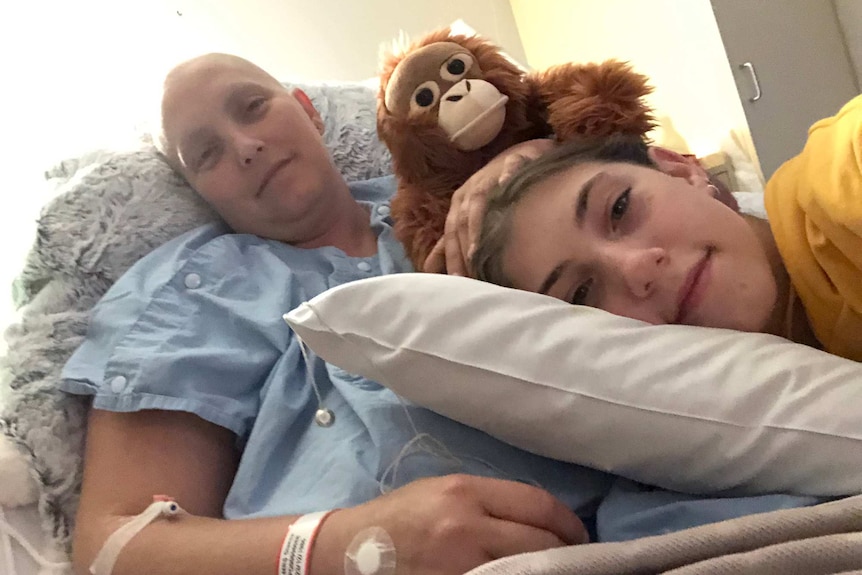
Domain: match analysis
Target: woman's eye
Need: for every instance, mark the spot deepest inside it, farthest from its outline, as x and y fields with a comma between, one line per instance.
x=206, y=157
x=581, y=293
x=255, y=105
x=621, y=206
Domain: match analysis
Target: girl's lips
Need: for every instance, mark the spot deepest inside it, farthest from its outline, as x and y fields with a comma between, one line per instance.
x=693, y=289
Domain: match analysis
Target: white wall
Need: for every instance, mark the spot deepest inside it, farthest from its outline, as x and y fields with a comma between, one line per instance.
x=674, y=42
x=850, y=18
x=334, y=39
x=82, y=74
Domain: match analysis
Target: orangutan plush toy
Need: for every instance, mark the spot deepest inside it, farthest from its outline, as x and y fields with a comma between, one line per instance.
x=448, y=104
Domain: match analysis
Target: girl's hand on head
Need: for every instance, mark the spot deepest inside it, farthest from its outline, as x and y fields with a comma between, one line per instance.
x=454, y=249
x=450, y=525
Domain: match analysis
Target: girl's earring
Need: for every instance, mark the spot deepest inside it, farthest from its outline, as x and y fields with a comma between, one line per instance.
x=715, y=192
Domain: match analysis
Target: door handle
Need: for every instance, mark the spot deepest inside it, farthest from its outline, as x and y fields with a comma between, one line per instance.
x=757, y=93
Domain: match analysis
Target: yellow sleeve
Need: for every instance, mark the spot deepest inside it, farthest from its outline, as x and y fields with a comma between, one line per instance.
x=814, y=203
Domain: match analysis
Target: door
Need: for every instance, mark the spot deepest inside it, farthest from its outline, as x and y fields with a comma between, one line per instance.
x=791, y=68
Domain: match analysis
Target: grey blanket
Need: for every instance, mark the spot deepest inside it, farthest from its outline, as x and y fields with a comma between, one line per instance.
x=821, y=540
x=112, y=209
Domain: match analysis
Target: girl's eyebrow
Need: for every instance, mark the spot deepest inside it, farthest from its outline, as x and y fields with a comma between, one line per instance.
x=552, y=278
x=582, y=200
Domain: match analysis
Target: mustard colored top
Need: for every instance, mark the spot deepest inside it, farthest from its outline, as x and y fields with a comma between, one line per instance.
x=814, y=203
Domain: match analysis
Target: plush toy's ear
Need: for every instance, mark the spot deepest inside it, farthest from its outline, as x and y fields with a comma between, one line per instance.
x=594, y=99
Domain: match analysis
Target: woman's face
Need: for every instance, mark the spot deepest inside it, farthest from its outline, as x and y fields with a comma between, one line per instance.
x=640, y=243
x=251, y=148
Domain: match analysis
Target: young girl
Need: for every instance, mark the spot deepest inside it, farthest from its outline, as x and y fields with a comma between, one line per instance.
x=638, y=231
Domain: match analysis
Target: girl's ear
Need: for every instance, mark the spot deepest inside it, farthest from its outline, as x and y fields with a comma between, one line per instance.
x=309, y=108
x=678, y=166
x=689, y=168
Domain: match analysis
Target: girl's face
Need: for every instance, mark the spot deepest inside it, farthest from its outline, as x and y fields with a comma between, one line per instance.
x=641, y=243
x=252, y=149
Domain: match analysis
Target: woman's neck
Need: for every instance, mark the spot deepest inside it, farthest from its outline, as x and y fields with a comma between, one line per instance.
x=788, y=318
x=346, y=226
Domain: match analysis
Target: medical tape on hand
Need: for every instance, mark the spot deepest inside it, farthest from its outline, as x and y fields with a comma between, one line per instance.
x=295, y=555
x=371, y=552
x=107, y=557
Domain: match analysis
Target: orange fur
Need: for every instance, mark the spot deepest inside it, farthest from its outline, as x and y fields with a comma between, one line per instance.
x=570, y=100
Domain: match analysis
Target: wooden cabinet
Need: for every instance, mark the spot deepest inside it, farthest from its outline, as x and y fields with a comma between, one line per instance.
x=791, y=66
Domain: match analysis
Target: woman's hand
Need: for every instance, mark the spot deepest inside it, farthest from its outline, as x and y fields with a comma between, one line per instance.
x=449, y=525
x=453, y=251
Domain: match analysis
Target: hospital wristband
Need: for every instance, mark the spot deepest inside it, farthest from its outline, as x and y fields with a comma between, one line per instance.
x=295, y=555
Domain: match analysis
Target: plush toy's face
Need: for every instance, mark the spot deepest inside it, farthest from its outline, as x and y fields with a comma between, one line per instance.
x=444, y=81
x=447, y=104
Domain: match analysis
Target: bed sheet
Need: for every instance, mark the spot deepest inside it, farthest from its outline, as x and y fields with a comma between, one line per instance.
x=25, y=520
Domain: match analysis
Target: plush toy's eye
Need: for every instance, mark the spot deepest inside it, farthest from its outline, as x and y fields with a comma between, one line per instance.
x=455, y=67
x=424, y=96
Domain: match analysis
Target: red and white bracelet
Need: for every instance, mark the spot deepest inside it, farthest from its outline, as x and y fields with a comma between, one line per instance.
x=295, y=555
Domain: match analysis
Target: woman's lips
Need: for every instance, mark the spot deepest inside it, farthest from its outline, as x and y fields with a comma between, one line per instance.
x=693, y=289
x=275, y=169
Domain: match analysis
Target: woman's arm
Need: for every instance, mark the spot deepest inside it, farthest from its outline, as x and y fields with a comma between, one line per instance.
x=440, y=526
x=132, y=456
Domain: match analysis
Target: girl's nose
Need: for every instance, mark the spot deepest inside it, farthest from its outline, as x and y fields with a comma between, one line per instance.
x=640, y=268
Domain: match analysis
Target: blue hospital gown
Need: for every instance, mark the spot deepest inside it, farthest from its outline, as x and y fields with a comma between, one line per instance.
x=197, y=326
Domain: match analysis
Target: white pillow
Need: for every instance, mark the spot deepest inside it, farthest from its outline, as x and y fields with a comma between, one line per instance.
x=690, y=409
